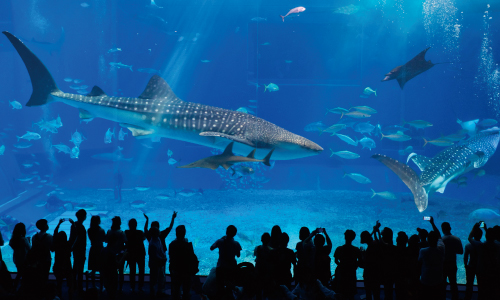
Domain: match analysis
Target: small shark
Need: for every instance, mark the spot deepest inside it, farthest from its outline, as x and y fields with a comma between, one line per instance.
x=227, y=159
x=445, y=166
x=414, y=67
x=50, y=47
x=159, y=112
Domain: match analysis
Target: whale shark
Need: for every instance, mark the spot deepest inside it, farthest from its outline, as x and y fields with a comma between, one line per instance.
x=159, y=112
x=450, y=163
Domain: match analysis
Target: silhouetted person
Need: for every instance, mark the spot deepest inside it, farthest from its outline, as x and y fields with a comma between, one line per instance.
x=97, y=236
x=20, y=245
x=111, y=261
x=471, y=257
x=488, y=264
x=182, y=266
x=136, y=253
x=62, y=260
x=453, y=246
x=422, y=234
x=78, y=244
x=229, y=249
x=163, y=234
x=117, y=246
x=275, y=237
x=263, y=264
x=285, y=259
x=38, y=259
x=413, y=265
x=371, y=260
x=6, y=282
x=402, y=261
x=431, y=260
x=347, y=258
x=305, y=255
x=322, y=260
x=157, y=260
x=118, y=181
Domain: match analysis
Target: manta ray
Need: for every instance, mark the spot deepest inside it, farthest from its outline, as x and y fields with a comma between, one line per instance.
x=158, y=112
x=227, y=159
x=406, y=72
x=446, y=165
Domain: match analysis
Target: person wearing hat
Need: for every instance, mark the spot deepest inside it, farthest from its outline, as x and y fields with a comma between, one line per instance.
x=42, y=242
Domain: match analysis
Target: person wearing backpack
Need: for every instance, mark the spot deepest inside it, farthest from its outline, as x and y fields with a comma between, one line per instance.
x=183, y=264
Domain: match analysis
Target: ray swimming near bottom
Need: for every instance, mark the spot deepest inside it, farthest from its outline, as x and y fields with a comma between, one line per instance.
x=445, y=166
x=159, y=112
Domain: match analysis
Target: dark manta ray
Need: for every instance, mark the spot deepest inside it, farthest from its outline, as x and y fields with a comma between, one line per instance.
x=406, y=72
x=445, y=166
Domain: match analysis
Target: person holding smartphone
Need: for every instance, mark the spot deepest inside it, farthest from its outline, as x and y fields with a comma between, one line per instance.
x=431, y=262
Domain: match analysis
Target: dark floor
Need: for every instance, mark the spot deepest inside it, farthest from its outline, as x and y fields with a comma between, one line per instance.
x=127, y=293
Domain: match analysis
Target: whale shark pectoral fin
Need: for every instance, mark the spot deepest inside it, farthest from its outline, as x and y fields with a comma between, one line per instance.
x=441, y=189
x=84, y=115
x=479, y=159
x=236, y=138
x=421, y=161
x=409, y=177
x=137, y=131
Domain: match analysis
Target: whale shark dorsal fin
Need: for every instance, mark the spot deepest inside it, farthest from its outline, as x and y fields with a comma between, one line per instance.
x=235, y=138
x=421, y=161
x=96, y=91
x=229, y=150
x=158, y=88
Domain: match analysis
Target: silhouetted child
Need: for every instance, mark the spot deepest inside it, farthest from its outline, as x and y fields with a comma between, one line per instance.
x=157, y=260
x=97, y=236
x=62, y=260
x=136, y=253
x=347, y=258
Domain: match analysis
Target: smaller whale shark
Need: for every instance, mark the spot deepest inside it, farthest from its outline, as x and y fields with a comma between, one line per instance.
x=227, y=159
x=445, y=166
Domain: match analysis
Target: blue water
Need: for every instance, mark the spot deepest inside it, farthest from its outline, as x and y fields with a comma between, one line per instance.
x=217, y=53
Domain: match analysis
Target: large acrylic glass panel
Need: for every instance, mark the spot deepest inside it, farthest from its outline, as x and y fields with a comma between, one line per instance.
x=224, y=54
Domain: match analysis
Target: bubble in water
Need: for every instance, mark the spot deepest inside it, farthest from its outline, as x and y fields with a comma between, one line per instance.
x=442, y=25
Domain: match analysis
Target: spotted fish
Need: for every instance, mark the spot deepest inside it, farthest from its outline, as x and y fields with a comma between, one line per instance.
x=159, y=112
x=450, y=163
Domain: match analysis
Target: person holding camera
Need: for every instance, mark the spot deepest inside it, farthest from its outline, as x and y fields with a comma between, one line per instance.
x=431, y=262
x=322, y=269
x=371, y=260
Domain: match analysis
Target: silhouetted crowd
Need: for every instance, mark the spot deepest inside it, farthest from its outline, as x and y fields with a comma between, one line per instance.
x=417, y=267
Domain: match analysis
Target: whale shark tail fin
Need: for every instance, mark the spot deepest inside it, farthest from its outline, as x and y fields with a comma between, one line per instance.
x=41, y=80
x=409, y=177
